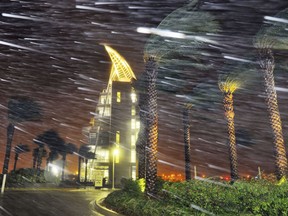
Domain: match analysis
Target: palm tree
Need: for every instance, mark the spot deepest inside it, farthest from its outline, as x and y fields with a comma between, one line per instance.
x=141, y=142
x=54, y=142
x=269, y=38
x=84, y=154
x=19, y=149
x=38, y=154
x=19, y=109
x=52, y=139
x=152, y=126
x=187, y=145
x=68, y=148
x=41, y=153
x=228, y=86
x=190, y=21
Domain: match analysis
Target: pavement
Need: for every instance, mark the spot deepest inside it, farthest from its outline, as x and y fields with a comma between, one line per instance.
x=54, y=201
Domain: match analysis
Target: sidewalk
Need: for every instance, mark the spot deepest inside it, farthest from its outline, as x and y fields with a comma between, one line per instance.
x=99, y=207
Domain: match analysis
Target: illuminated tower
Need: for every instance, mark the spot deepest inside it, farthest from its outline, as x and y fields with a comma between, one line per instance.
x=114, y=127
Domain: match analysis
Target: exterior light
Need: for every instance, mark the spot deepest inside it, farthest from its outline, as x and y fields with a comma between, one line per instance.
x=116, y=152
x=55, y=170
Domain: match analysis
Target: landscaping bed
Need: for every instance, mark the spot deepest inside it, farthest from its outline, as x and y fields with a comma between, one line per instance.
x=202, y=197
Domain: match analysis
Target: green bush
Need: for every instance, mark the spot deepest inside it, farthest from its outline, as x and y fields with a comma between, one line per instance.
x=201, y=197
x=23, y=176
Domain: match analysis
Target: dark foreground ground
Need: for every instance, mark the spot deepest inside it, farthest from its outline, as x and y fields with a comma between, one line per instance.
x=50, y=202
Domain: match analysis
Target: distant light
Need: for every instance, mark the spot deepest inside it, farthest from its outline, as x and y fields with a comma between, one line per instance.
x=54, y=169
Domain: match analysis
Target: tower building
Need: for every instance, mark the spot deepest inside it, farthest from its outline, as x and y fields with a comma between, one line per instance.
x=114, y=128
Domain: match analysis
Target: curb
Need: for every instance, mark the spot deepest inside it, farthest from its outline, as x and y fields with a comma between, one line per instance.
x=103, y=210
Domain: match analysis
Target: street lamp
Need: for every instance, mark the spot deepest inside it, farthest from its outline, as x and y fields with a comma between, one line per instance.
x=115, y=152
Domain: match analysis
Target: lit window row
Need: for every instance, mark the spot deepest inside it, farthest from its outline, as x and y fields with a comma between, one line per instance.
x=104, y=112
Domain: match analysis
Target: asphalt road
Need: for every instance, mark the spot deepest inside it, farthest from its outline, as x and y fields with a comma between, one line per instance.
x=50, y=202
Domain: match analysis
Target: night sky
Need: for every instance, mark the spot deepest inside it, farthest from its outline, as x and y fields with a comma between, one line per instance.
x=53, y=53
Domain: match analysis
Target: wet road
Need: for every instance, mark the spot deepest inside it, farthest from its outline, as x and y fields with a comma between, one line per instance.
x=50, y=202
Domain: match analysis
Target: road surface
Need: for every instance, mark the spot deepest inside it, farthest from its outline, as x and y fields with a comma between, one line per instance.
x=50, y=202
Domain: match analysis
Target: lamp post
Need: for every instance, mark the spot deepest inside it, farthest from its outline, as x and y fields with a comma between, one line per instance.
x=115, y=152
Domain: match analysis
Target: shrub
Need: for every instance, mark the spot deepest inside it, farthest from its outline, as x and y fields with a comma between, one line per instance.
x=130, y=186
x=23, y=176
x=201, y=197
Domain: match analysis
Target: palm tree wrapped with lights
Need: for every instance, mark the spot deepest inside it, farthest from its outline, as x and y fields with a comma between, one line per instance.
x=182, y=30
x=273, y=36
x=228, y=85
x=187, y=146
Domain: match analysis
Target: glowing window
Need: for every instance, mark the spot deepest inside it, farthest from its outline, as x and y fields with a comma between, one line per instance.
x=133, y=97
x=117, y=140
x=134, y=172
x=133, y=140
x=118, y=99
x=102, y=155
x=104, y=111
x=133, y=156
x=133, y=111
x=103, y=99
x=133, y=123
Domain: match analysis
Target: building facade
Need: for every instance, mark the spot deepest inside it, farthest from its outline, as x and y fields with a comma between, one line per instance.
x=114, y=128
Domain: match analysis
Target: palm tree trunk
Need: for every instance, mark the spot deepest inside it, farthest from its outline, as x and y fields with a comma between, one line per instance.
x=85, y=180
x=39, y=159
x=79, y=168
x=187, y=147
x=152, y=127
x=34, y=161
x=142, y=138
x=229, y=113
x=63, y=165
x=47, y=163
x=267, y=64
x=15, y=161
x=10, y=133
